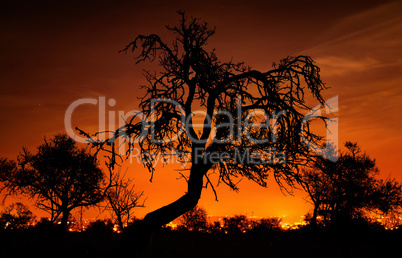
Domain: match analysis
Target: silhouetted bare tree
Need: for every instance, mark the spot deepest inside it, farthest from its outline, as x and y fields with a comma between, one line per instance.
x=193, y=78
x=347, y=189
x=60, y=177
x=122, y=199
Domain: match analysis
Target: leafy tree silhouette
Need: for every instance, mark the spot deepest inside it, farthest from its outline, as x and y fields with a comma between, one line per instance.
x=348, y=189
x=236, y=224
x=60, y=177
x=16, y=216
x=194, y=78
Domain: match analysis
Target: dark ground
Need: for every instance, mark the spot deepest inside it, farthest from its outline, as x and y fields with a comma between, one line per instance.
x=194, y=244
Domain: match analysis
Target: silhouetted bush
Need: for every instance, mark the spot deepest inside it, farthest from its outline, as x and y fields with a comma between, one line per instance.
x=132, y=225
x=236, y=224
x=266, y=225
x=16, y=216
x=44, y=225
x=100, y=226
x=194, y=220
x=215, y=227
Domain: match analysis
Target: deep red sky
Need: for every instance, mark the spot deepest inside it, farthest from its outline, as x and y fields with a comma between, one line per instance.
x=55, y=53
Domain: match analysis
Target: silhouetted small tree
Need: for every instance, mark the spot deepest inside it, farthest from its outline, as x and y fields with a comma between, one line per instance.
x=194, y=220
x=347, y=189
x=121, y=200
x=60, y=177
x=16, y=216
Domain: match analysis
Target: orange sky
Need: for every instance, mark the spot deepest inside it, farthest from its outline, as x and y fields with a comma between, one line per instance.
x=54, y=54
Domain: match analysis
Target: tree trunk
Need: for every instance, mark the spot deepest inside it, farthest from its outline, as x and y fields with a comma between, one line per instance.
x=119, y=220
x=145, y=230
x=64, y=219
x=189, y=200
x=314, y=217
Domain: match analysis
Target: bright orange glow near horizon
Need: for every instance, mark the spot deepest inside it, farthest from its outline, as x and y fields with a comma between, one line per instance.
x=54, y=54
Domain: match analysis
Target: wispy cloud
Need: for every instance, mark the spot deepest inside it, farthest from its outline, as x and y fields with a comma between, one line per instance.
x=360, y=57
x=336, y=65
x=362, y=41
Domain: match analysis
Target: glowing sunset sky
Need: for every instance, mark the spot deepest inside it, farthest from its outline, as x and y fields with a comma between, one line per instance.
x=55, y=53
